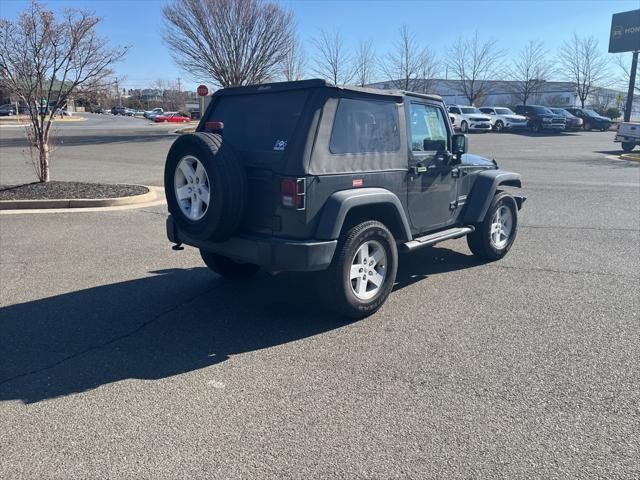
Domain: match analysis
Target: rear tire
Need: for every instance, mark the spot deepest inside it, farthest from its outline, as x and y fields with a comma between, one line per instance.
x=494, y=237
x=228, y=268
x=367, y=249
x=628, y=146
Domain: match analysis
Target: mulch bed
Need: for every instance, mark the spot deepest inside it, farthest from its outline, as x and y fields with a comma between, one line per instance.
x=58, y=190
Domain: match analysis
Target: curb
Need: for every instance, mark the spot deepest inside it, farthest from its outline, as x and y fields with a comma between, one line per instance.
x=182, y=131
x=151, y=195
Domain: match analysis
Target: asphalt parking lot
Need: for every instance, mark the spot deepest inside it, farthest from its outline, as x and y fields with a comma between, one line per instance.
x=120, y=358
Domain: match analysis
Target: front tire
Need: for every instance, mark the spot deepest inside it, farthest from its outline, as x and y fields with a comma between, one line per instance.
x=494, y=237
x=363, y=270
x=628, y=146
x=228, y=268
x=587, y=127
x=499, y=126
x=464, y=127
x=536, y=128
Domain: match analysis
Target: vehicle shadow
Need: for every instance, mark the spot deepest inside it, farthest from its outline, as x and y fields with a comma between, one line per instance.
x=527, y=133
x=612, y=152
x=172, y=322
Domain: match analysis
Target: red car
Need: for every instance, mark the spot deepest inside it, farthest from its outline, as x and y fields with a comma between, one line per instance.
x=172, y=117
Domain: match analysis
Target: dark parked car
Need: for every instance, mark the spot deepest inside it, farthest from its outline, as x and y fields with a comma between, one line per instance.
x=119, y=110
x=341, y=181
x=572, y=122
x=100, y=110
x=7, y=109
x=541, y=118
x=591, y=119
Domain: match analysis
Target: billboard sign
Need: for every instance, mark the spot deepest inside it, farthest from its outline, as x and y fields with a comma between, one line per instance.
x=625, y=32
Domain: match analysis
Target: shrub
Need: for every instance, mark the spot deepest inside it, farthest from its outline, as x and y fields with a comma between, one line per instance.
x=612, y=113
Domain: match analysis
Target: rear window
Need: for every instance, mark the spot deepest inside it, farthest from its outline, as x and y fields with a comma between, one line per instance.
x=260, y=122
x=365, y=126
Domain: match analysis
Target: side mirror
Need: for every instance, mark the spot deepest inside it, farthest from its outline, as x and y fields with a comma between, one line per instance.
x=459, y=145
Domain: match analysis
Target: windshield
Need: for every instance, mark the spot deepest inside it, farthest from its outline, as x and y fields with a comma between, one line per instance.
x=541, y=110
x=504, y=111
x=560, y=111
x=259, y=122
x=470, y=110
x=591, y=113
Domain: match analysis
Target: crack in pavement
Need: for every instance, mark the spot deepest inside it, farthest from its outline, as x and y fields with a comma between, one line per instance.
x=108, y=342
x=569, y=272
x=603, y=229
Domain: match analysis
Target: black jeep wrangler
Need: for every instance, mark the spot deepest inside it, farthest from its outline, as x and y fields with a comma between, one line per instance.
x=307, y=176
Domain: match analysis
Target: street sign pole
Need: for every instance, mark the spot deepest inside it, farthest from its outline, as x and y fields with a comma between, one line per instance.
x=202, y=92
x=632, y=85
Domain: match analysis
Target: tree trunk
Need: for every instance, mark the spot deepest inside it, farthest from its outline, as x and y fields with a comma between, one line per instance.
x=44, y=161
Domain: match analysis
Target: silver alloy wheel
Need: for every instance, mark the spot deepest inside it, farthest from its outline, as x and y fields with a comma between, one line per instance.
x=501, y=227
x=368, y=270
x=192, y=187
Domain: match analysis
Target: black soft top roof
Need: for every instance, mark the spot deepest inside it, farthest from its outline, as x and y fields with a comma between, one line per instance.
x=318, y=83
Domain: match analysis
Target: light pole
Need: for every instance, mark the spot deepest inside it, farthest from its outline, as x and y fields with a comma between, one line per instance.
x=632, y=84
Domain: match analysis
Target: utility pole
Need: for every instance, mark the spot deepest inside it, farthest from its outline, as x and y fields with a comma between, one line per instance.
x=179, y=85
x=118, y=90
x=632, y=84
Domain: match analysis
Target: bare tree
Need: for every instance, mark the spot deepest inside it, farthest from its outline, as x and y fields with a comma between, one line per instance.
x=332, y=60
x=624, y=68
x=364, y=63
x=294, y=61
x=584, y=65
x=408, y=66
x=474, y=63
x=44, y=60
x=529, y=71
x=233, y=42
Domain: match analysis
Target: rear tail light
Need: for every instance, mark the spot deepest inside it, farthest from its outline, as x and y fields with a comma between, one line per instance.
x=214, y=126
x=292, y=193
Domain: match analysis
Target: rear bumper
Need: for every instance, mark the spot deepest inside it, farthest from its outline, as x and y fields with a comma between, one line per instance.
x=624, y=138
x=271, y=253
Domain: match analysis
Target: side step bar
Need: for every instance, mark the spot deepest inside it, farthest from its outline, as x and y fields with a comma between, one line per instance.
x=437, y=237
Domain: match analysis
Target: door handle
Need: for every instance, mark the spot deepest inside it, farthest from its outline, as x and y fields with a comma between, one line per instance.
x=418, y=169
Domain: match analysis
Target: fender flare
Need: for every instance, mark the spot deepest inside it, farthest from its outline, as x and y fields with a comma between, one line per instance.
x=484, y=188
x=340, y=203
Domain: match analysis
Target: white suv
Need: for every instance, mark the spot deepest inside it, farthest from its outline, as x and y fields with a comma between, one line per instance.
x=470, y=119
x=503, y=118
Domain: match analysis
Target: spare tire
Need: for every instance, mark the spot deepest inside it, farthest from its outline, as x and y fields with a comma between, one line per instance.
x=206, y=186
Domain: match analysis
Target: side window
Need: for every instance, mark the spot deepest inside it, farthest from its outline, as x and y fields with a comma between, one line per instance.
x=454, y=110
x=365, y=126
x=428, y=128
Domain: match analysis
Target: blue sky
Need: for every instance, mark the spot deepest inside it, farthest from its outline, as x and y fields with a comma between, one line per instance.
x=437, y=24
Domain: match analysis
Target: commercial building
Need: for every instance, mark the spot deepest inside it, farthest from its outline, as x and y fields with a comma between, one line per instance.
x=504, y=93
